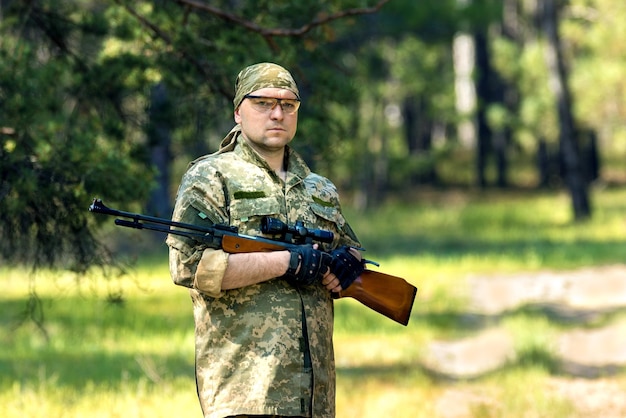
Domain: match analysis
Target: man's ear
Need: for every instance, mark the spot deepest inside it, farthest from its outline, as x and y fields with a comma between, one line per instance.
x=237, y=116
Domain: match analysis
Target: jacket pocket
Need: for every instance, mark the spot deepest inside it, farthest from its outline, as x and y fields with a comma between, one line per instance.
x=246, y=214
x=329, y=218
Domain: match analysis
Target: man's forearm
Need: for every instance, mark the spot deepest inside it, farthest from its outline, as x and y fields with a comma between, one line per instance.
x=245, y=269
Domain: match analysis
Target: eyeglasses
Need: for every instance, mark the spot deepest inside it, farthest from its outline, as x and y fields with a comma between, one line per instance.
x=267, y=104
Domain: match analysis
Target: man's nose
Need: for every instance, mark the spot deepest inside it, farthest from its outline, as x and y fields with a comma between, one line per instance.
x=277, y=112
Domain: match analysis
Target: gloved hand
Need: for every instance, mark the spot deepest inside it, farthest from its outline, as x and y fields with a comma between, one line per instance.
x=312, y=265
x=345, y=266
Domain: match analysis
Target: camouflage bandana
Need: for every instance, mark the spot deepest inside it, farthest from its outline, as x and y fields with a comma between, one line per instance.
x=259, y=76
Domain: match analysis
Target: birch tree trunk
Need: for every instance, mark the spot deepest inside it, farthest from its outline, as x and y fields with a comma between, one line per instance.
x=465, y=90
x=464, y=61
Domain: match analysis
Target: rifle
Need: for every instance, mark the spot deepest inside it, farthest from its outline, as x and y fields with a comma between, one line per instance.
x=388, y=295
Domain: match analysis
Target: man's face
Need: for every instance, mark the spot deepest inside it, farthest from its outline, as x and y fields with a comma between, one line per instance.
x=271, y=130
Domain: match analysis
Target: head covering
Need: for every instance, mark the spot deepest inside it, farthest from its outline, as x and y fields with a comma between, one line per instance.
x=260, y=76
x=253, y=78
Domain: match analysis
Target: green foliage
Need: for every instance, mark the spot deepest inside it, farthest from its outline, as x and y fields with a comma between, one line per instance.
x=62, y=137
x=76, y=78
x=594, y=33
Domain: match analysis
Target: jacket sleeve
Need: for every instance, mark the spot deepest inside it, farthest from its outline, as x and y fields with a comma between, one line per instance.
x=203, y=270
x=199, y=202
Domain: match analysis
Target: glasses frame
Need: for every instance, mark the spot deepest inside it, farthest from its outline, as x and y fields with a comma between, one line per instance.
x=278, y=102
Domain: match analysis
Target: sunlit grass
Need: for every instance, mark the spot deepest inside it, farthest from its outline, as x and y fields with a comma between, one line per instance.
x=124, y=346
x=142, y=398
x=496, y=231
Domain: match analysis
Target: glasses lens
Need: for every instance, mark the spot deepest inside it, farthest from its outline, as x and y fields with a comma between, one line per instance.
x=289, y=106
x=266, y=104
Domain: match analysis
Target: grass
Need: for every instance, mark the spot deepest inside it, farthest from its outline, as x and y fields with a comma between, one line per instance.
x=124, y=346
x=496, y=230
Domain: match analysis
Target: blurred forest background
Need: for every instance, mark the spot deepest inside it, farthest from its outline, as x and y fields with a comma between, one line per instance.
x=114, y=98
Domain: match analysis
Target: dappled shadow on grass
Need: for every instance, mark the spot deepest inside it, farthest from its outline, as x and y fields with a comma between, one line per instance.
x=78, y=314
x=75, y=370
x=565, y=317
x=384, y=373
x=538, y=357
x=532, y=358
x=543, y=359
x=572, y=368
x=90, y=340
x=354, y=318
x=542, y=354
x=460, y=322
x=351, y=317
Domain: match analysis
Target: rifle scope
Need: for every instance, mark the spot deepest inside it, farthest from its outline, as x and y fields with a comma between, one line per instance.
x=298, y=231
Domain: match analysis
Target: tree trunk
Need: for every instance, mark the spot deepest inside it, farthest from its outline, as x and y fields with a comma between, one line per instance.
x=543, y=163
x=574, y=176
x=159, y=140
x=418, y=131
x=589, y=143
x=380, y=153
x=465, y=90
x=483, y=91
x=500, y=147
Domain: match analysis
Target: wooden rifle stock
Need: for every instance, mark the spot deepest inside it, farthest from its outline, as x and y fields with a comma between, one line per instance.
x=388, y=295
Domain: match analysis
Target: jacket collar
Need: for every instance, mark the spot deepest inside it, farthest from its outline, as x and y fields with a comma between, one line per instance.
x=295, y=164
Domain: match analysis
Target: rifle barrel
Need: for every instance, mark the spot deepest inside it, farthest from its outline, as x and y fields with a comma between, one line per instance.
x=98, y=207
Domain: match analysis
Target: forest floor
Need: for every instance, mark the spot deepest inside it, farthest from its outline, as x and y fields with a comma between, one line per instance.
x=588, y=351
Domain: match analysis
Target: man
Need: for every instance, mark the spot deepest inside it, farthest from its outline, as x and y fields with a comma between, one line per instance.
x=264, y=321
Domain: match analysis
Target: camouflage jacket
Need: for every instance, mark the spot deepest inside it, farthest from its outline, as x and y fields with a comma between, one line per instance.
x=251, y=342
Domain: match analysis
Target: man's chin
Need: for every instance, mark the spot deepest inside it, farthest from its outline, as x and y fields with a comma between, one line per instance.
x=270, y=143
x=279, y=139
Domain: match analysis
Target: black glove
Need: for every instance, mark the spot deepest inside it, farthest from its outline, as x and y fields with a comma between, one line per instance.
x=313, y=264
x=345, y=266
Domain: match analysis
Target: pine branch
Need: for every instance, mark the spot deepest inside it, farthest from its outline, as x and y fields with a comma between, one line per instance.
x=269, y=32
